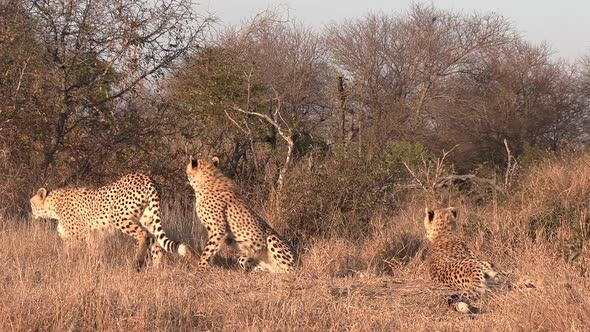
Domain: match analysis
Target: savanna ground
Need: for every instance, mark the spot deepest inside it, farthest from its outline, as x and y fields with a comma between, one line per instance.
x=380, y=283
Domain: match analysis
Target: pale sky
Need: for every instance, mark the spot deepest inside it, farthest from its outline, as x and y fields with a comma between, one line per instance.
x=564, y=25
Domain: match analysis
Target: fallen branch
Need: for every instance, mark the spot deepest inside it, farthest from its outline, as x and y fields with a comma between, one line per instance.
x=468, y=177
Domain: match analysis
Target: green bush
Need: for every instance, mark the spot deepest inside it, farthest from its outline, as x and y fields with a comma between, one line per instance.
x=341, y=192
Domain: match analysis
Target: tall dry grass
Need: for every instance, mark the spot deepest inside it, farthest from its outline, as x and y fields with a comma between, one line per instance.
x=376, y=284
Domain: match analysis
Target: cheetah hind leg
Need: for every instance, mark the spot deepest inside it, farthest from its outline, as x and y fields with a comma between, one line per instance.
x=141, y=236
x=278, y=257
x=155, y=253
x=142, y=240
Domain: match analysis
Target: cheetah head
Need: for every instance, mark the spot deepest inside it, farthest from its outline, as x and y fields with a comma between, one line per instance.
x=199, y=171
x=40, y=207
x=440, y=221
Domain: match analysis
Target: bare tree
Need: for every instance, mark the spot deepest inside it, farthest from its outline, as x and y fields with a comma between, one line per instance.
x=262, y=84
x=102, y=50
x=287, y=61
x=396, y=64
x=513, y=92
x=582, y=83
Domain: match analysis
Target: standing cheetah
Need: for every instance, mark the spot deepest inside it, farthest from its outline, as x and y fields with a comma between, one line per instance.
x=131, y=204
x=227, y=218
x=453, y=264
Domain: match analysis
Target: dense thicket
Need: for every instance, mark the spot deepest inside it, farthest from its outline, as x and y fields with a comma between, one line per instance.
x=331, y=126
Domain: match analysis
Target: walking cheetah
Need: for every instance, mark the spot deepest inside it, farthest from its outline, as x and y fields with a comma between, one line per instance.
x=131, y=204
x=453, y=264
x=228, y=218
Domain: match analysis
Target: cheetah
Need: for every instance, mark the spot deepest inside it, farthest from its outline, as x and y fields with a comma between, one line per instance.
x=227, y=218
x=131, y=204
x=454, y=265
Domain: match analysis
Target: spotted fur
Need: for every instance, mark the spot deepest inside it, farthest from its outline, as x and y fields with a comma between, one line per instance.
x=228, y=219
x=130, y=204
x=453, y=264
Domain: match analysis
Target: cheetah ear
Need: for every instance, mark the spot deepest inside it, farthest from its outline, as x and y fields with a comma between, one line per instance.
x=429, y=213
x=215, y=161
x=42, y=193
x=194, y=163
x=454, y=212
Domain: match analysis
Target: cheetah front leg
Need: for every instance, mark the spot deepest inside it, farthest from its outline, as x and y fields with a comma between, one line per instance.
x=243, y=263
x=250, y=264
x=213, y=243
x=70, y=241
x=216, y=234
x=246, y=260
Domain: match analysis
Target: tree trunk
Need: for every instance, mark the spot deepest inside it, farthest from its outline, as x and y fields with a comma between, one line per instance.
x=342, y=107
x=283, y=171
x=58, y=137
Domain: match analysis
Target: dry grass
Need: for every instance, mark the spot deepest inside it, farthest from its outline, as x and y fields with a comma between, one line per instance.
x=539, y=231
x=378, y=285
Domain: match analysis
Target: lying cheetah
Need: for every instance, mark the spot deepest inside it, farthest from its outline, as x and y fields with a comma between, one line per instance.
x=453, y=264
x=131, y=204
x=228, y=218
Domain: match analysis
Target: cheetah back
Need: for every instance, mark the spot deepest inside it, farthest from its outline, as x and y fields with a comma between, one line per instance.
x=131, y=204
x=450, y=261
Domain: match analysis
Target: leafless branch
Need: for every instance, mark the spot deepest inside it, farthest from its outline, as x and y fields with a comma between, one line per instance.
x=511, y=165
x=20, y=80
x=416, y=178
x=286, y=134
x=234, y=122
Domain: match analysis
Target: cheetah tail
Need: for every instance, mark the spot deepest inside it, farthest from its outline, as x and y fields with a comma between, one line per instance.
x=169, y=245
x=526, y=284
x=461, y=302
